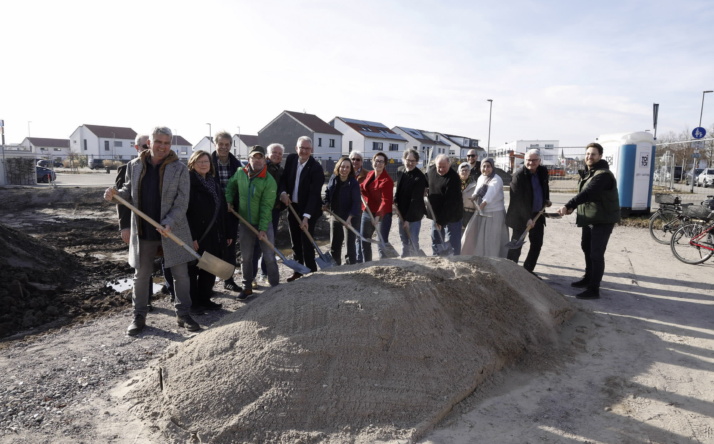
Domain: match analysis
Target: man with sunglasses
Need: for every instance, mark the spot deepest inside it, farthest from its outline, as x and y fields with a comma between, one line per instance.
x=360, y=174
x=472, y=159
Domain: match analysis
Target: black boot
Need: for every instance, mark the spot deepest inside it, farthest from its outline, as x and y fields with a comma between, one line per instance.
x=187, y=321
x=590, y=293
x=137, y=325
x=582, y=283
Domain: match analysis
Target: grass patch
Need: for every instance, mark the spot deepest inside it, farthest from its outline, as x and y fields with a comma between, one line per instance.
x=641, y=221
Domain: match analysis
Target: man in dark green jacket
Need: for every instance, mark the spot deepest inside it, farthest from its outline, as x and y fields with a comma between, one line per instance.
x=598, y=207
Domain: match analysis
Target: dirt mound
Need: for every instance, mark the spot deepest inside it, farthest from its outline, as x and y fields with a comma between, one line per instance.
x=363, y=353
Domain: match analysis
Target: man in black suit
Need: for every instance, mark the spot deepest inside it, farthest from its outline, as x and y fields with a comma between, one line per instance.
x=301, y=186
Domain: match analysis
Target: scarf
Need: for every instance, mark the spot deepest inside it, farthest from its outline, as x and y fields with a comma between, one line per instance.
x=481, y=192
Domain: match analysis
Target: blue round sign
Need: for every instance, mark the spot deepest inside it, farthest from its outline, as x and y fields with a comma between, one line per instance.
x=699, y=132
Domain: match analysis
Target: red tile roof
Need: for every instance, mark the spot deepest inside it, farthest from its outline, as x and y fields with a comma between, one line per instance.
x=313, y=122
x=111, y=132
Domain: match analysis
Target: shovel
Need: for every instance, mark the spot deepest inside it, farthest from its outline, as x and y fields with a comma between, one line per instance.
x=323, y=260
x=388, y=250
x=512, y=245
x=351, y=228
x=442, y=249
x=417, y=251
x=297, y=266
x=207, y=261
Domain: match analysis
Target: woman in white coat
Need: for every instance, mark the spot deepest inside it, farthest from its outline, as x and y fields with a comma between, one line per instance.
x=487, y=234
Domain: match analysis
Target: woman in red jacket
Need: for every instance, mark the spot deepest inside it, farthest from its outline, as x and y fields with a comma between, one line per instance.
x=378, y=191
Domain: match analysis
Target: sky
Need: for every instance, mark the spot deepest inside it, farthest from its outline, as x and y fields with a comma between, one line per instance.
x=555, y=70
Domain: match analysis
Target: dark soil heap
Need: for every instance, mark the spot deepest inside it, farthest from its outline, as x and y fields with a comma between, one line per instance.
x=380, y=351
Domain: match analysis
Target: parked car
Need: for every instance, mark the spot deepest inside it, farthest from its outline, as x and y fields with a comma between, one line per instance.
x=688, y=175
x=45, y=175
x=706, y=178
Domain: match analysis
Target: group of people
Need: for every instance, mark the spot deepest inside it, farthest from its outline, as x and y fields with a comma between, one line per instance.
x=215, y=202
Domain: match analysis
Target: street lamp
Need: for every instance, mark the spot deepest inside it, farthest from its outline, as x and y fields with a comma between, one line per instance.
x=488, y=145
x=702, y=111
x=210, y=141
x=237, y=150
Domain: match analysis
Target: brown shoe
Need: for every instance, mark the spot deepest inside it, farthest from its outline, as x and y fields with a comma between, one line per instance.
x=295, y=276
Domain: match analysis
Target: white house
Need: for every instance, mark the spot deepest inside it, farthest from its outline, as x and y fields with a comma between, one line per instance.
x=182, y=147
x=101, y=143
x=369, y=138
x=50, y=149
x=242, y=144
x=288, y=126
x=462, y=145
x=205, y=144
x=422, y=143
x=509, y=156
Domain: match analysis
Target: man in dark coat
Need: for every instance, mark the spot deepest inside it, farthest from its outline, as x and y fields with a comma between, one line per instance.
x=447, y=203
x=529, y=193
x=598, y=205
x=472, y=159
x=225, y=165
x=301, y=186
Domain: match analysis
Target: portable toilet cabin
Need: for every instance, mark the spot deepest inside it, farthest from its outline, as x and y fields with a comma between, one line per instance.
x=631, y=158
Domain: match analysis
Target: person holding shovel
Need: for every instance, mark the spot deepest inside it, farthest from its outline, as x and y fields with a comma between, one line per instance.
x=253, y=190
x=342, y=197
x=529, y=194
x=486, y=234
x=158, y=183
x=445, y=200
x=468, y=184
x=377, y=190
x=409, y=200
x=207, y=220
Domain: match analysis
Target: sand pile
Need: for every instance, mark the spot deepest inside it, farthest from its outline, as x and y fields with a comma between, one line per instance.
x=363, y=353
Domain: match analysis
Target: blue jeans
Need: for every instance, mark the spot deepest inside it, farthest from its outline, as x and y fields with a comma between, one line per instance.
x=450, y=232
x=248, y=240
x=410, y=248
x=367, y=230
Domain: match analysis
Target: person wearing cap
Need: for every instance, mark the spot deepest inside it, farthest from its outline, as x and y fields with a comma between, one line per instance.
x=251, y=191
x=468, y=183
x=486, y=234
x=529, y=194
x=301, y=186
x=225, y=165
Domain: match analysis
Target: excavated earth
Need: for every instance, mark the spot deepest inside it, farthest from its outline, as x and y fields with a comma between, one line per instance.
x=367, y=353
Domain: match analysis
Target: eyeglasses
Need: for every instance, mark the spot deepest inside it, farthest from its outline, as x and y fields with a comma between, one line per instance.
x=378, y=161
x=356, y=160
x=203, y=162
x=410, y=160
x=471, y=155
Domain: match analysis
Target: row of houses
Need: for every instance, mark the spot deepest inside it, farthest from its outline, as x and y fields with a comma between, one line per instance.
x=331, y=140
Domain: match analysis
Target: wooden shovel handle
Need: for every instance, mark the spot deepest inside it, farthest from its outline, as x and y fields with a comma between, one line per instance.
x=144, y=216
x=297, y=218
x=251, y=227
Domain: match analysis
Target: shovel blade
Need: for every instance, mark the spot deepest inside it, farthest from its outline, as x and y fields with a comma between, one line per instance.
x=297, y=266
x=216, y=266
x=322, y=263
x=389, y=251
x=512, y=245
x=444, y=250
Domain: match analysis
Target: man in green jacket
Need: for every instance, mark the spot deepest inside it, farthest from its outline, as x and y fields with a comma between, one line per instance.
x=254, y=190
x=598, y=207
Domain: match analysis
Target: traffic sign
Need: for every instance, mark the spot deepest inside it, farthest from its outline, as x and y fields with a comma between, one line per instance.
x=698, y=145
x=699, y=132
x=696, y=155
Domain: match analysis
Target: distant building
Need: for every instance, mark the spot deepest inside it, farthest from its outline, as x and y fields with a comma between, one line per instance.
x=288, y=126
x=418, y=140
x=182, y=147
x=46, y=148
x=509, y=156
x=369, y=137
x=205, y=144
x=101, y=143
x=242, y=144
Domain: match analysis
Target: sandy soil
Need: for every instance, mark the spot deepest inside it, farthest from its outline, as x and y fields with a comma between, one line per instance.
x=631, y=367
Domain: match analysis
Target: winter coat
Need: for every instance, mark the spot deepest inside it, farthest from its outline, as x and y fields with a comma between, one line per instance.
x=347, y=197
x=597, y=201
x=200, y=213
x=257, y=196
x=445, y=196
x=409, y=196
x=520, y=206
x=378, y=192
x=309, y=194
x=175, y=187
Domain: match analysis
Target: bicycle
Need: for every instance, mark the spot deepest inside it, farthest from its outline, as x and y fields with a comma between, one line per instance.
x=668, y=217
x=694, y=243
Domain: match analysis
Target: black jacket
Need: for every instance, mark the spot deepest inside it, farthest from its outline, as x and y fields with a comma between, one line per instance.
x=409, y=196
x=201, y=207
x=123, y=212
x=309, y=199
x=445, y=196
x=598, y=201
x=520, y=206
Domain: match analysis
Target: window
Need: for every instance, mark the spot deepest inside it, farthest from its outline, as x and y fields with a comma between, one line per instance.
x=106, y=145
x=319, y=141
x=332, y=143
x=350, y=144
x=393, y=147
x=377, y=146
x=85, y=144
x=118, y=144
x=57, y=149
x=549, y=145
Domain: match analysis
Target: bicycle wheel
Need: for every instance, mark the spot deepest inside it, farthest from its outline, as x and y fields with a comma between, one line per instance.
x=687, y=253
x=663, y=224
